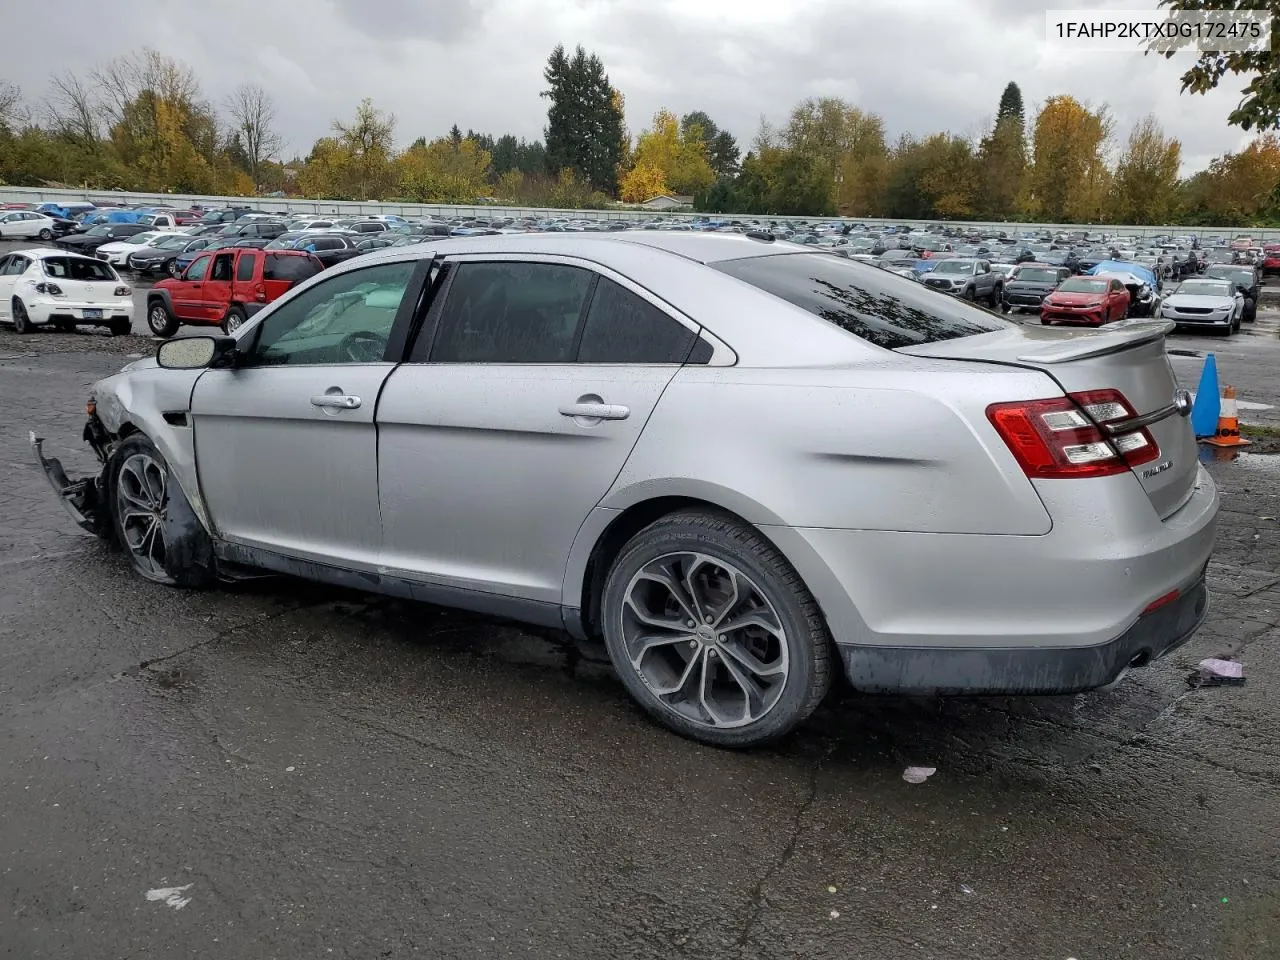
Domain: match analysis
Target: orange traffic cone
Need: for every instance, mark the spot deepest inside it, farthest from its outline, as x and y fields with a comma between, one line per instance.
x=1228, y=434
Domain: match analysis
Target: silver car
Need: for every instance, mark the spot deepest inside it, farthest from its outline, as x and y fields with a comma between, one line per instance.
x=743, y=464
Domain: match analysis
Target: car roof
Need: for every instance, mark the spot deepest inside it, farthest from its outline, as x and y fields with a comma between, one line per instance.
x=39, y=253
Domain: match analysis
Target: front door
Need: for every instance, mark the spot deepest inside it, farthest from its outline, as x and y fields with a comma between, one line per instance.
x=189, y=290
x=496, y=445
x=285, y=443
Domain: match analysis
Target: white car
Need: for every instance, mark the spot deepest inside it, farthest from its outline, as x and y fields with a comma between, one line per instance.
x=44, y=286
x=117, y=252
x=25, y=225
x=1205, y=302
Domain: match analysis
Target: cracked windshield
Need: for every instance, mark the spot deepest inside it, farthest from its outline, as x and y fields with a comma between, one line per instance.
x=640, y=479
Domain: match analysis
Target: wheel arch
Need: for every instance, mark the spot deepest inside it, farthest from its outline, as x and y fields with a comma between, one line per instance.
x=611, y=525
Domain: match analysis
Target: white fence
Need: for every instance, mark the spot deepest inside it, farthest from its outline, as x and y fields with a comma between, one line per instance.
x=350, y=208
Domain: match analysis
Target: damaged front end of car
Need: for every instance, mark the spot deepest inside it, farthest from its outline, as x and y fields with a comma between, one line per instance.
x=85, y=500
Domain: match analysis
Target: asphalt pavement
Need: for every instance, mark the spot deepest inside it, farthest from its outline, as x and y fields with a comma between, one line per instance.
x=279, y=770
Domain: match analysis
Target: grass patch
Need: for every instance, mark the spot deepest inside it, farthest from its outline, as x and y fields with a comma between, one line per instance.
x=1258, y=430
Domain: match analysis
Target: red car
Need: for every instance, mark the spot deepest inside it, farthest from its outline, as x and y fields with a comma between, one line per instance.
x=1086, y=301
x=1271, y=258
x=225, y=287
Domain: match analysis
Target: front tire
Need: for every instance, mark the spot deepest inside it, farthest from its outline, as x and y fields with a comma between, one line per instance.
x=152, y=520
x=46, y=234
x=713, y=632
x=993, y=300
x=21, y=322
x=160, y=320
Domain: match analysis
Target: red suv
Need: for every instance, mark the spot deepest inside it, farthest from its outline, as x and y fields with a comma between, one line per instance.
x=226, y=287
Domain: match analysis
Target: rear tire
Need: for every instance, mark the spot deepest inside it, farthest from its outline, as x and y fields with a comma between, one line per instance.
x=695, y=679
x=152, y=520
x=232, y=321
x=994, y=298
x=21, y=322
x=160, y=320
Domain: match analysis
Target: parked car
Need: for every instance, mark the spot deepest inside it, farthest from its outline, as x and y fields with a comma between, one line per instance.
x=95, y=237
x=1030, y=284
x=117, y=252
x=67, y=211
x=1201, y=302
x=1245, y=278
x=225, y=215
x=1270, y=258
x=27, y=225
x=328, y=248
x=254, y=227
x=161, y=255
x=224, y=287
x=967, y=279
x=45, y=287
x=1086, y=301
x=1141, y=284
x=728, y=571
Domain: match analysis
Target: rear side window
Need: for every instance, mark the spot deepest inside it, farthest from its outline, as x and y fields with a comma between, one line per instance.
x=294, y=269
x=510, y=312
x=870, y=303
x=246, y=265
x=623, y=328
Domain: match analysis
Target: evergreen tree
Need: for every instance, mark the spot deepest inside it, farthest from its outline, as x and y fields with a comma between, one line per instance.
x=455, y=136
x=1011, y=106
x=584, y=122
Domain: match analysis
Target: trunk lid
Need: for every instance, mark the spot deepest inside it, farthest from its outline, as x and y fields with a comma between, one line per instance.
x=1128, y=356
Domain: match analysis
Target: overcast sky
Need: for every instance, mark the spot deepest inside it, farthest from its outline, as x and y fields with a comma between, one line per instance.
x=923, y=65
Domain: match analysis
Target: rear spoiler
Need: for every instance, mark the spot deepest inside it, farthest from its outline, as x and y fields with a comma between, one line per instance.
x=1136, y=332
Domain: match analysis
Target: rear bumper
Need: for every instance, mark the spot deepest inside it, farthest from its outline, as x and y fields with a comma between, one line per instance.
x=46, y=311
x=918, y=612
x=1027, y=670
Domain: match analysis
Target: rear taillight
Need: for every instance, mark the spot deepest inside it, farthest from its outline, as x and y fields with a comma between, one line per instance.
x=1064, y=437
x=123, y=291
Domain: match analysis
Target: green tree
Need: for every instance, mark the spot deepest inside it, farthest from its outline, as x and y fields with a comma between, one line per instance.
x=367, y=151
x=1011, y=106
x=584, y=119
x=442, y=172
x=1144, y=189
x=721, y=148
x=1259, y=105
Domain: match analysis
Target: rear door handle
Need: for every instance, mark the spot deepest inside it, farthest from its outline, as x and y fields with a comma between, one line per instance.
x=596, y=411
x=336, y=401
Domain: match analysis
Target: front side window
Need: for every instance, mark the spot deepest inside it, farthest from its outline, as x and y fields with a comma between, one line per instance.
x=876, y=306
x=511, y=312
x=199, y=267
x=346, y=319
x=221, y=267
x=624, y=328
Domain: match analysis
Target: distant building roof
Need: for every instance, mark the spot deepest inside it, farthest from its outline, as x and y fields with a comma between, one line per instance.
x=664, y=202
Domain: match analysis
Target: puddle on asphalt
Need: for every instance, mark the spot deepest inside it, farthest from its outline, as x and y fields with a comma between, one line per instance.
x=1264, y=462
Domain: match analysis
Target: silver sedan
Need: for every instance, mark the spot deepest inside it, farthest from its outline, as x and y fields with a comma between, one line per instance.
x=742, y=464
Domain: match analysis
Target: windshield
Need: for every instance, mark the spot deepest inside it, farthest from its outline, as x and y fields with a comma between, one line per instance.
x=172, y=242
x=953, y=266
x=76, y=268
x=143, y=237
x=1204, y=288
x=885, y=310
x=283, y=243
x=1036, y=275
x=98, y=231
x=1082, y=285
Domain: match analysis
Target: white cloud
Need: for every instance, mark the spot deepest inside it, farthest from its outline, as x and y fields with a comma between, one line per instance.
x=478, y=63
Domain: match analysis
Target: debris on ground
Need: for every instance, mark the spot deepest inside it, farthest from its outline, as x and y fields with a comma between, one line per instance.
x=1216, y=672
x=918, y=774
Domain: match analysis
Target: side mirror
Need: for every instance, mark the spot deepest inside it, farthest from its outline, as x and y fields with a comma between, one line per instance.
x=196, y=353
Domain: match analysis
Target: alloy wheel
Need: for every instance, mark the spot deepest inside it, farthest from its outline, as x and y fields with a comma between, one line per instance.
x=705, y=640
x=140, y=502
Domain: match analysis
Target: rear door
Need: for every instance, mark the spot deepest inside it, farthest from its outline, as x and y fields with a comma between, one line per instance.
x=215, y=296
x=511, y=423
x=246, y=287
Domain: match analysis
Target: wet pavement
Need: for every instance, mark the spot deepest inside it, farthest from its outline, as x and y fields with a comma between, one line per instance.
x=281, y=770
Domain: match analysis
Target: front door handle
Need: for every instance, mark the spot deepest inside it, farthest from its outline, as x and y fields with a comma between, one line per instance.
x=596, y=411
x=336, y=401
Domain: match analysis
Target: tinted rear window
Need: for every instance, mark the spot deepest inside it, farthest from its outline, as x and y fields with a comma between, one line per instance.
x=72, y=268
x=888, y=311
x=296, y=269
